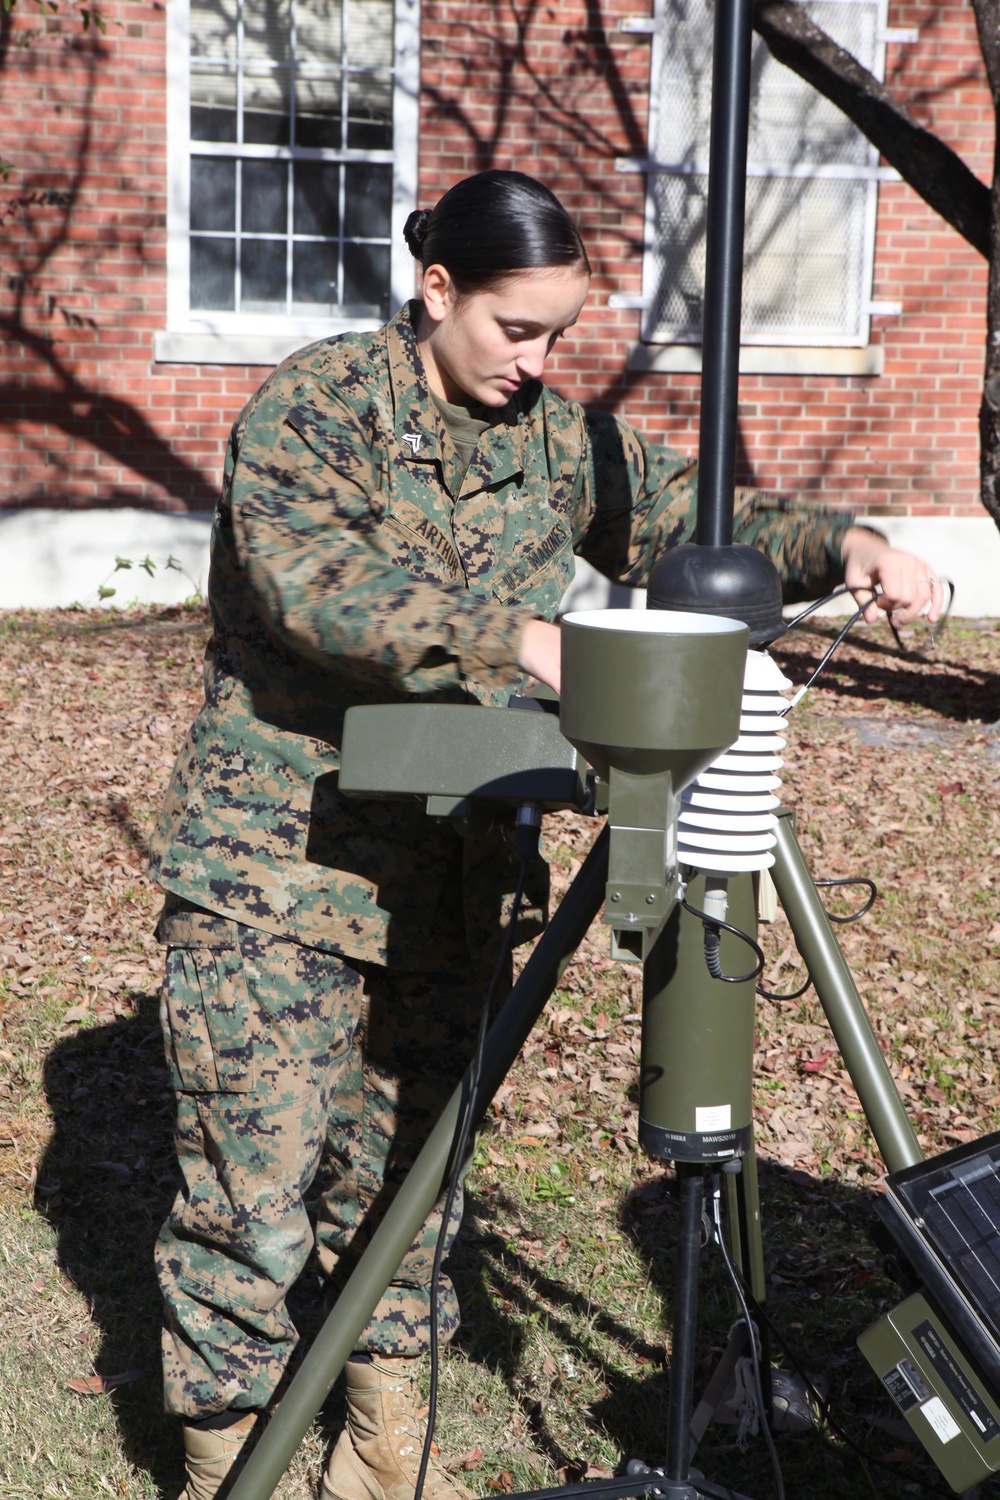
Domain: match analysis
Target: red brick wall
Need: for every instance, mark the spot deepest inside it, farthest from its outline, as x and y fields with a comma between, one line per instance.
x=571, y=97
x=553, y=89
x=86, y=417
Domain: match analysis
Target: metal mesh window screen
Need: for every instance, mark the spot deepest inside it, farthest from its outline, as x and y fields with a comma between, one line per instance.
x=810, y=189
x=291, y=166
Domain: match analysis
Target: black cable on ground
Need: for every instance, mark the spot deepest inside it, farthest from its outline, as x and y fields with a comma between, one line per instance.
x=849, y=880
x=851, y=917
x=779, y=1483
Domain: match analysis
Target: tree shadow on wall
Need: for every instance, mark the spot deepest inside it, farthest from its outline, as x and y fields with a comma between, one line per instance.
x=36, y=318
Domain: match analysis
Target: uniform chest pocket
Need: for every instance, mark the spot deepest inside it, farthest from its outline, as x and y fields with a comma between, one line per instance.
x=419, y=543
x=207, y=1020
x=540, y=571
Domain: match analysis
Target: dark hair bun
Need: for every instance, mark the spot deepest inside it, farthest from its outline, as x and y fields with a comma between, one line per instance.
x=494, y=225
x=415, y=232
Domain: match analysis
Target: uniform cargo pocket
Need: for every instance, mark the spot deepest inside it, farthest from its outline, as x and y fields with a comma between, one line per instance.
x=207, y=1018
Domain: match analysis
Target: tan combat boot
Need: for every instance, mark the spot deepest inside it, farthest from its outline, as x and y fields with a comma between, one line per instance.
x=210, y=1455
x=377, y=1456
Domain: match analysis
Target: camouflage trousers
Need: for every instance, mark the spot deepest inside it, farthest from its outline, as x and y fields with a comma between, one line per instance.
x=279, y=1052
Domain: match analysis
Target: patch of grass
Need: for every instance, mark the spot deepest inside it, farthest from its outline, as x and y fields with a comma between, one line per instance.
x=54, y=1442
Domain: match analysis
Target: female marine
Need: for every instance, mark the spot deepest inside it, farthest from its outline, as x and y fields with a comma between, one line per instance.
x=399, y=519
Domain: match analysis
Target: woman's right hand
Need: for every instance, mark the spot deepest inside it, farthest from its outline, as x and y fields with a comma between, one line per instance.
x=540, y=652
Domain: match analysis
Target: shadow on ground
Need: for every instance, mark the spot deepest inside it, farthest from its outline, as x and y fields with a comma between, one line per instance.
x=869, y=669
x=108, y=1178
x=106, y=1183
x=827, y=1283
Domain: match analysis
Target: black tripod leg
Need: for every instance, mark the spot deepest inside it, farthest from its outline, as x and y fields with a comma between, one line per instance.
x=691, y=1179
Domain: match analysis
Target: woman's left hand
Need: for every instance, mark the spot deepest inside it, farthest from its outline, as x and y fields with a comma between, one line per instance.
x=909, y=586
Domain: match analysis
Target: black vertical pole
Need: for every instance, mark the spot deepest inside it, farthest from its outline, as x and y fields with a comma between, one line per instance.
x=724, y=270
x=712, y=574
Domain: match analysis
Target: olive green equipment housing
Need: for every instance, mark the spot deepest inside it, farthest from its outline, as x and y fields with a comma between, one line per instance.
x=940, y=1394
x=651, y=698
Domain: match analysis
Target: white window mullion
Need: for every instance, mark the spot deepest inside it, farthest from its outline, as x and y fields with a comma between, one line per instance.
x=406, y=118
x=239, y=237
x=868, y=252
x=287, y=153
x=238, y=254
x=344, y=84
x=341, y=211
x=293, y=67
x=866, y=284
x=812, y=187
x=293, y=91
x=289, y=238
x=239, y=73
x=178, y=73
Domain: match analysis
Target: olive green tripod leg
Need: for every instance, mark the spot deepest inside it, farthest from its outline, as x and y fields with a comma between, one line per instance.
x=852, y=1030
x=845, y=1011
x=337, y=1338
x=743, y=1219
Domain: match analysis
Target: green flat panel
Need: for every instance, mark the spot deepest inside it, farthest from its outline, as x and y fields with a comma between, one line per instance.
x=456, y=751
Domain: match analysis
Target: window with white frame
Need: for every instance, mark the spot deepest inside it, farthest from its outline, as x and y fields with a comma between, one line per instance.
x=292, y=166
x=812, y=181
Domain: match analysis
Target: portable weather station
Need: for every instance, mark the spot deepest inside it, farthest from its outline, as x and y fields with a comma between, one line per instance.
x=680, y=725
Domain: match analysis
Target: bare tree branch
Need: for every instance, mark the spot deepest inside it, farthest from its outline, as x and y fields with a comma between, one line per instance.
x=989, y=40
x=931, y=168
x=987, y=17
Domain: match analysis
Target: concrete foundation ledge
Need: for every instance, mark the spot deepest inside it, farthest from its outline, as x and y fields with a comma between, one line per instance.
x=51, y=559
x=964, y=549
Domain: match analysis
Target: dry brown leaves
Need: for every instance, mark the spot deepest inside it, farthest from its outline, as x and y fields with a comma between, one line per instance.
x=891, y=768
x=102, y=1385
x=92, y=710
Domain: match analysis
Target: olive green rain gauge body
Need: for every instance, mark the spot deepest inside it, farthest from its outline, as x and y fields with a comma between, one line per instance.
x=672, y=720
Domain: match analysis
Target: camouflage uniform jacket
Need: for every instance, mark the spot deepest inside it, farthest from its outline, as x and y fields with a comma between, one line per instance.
x=353, y=563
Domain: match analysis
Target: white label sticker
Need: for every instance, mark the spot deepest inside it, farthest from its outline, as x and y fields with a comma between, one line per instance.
x=714, y=1117
x=941, y=1419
